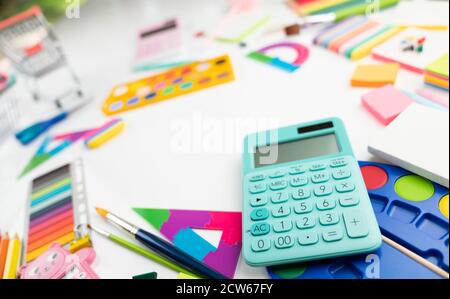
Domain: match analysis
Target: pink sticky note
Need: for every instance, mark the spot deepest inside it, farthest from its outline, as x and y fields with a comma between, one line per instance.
x=438, y=97
x=386, y=103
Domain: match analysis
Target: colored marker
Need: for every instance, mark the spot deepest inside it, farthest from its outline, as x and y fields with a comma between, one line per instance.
x=12, y=260
x=4, y=243
x=148, y=254
x=162, y=246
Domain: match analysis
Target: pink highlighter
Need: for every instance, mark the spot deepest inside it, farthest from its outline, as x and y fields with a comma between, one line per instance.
x=58, y=263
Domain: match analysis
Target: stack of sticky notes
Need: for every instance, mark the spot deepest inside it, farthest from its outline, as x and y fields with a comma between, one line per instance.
x=386, y=103
x=355, y=37
x=341, y=8
x=436, y=74
x=418, y=141
x=375, y=75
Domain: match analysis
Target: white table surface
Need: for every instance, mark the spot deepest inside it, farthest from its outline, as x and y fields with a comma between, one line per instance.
x=142, y=167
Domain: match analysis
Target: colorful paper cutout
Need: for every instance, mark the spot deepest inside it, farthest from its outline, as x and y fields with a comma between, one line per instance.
x=263, y=56
x=63, y=141
x=375, y=75
x=178, y=225
x=436, y=74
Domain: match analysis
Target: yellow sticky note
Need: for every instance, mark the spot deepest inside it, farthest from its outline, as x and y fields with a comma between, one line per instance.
x=375, y=75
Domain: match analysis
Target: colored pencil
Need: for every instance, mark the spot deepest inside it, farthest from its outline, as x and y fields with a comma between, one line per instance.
x=4, y=244
x=162, y=247
x=142, y=251
x=12, y=260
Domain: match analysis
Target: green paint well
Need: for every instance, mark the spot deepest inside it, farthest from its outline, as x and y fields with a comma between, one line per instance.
x=414, y=188
x=290, y=271
x=156, y=217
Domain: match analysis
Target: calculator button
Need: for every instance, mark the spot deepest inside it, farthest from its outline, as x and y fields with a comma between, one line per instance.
x=277, y=174
x=304, y=207
x=349, y=201
x=345, y=187
x=320, y=177
x=258, y=201
x=258, y=188
x=323, y=190
x=306, y=222
x=355, y=223
x=298, y=181
x=333, y=234
x=329, y=218
x=260, y=229
x=301, y=193
x=283, y=242
x=318, y=166
x=341, y=174
x=279, y=197
x=324, y=204
x=335, y=163
x=281, y=211
x=257, y=178
x=282, y=226
x=308, y=238
x=260, y=245
x=297, y=170
x=259, y=214
x=278, y=185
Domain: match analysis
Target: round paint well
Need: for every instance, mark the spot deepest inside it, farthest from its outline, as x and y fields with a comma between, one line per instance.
x=289, y=271
x=375, y=177
x=120, y=91
x=203, y=67
x=443, y=206
x=143, y=91
x=414, y=188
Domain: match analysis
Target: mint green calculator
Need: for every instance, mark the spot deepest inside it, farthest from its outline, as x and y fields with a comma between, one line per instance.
x=304, y=196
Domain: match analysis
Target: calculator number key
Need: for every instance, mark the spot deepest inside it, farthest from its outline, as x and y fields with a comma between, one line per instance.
x=341, y=174
x=333, y=235
x=304, y=207
x=259, y=214
x=282, y=226
x=283, y=242
x=306, y=222
x=298, y=181
x=301, y=193
x=281, y=211
x=323, y=190
x=260, y=245
x=260, y=229
x=324, y=204
x=279, y=197
x=345, y=187
x=258, y=201
x=320, y=177
x=329, y=218
x=258, y=188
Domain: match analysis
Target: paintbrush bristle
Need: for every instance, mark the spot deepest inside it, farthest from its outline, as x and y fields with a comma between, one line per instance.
x=102, y=212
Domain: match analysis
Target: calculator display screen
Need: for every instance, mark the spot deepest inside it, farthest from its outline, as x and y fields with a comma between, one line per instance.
x=296, y=150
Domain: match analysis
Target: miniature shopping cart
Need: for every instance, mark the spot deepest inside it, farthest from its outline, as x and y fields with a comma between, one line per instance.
x=29, y=43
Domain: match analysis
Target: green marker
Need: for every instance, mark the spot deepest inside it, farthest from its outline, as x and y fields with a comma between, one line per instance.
x=144, y=252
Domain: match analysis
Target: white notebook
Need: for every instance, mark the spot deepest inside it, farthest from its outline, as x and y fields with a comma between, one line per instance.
x=417, y=140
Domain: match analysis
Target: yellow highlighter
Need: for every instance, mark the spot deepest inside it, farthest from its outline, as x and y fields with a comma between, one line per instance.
x=104, y=134
x=13, y=259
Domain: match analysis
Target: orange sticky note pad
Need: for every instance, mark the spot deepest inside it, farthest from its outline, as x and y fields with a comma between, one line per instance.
x=377, y=75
